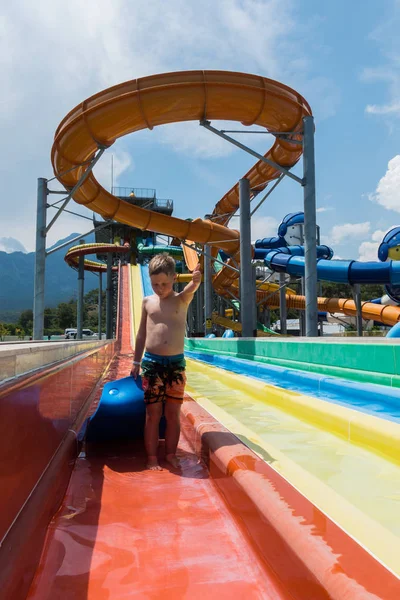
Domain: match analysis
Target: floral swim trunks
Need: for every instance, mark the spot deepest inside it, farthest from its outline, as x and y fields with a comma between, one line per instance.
x=163, y=378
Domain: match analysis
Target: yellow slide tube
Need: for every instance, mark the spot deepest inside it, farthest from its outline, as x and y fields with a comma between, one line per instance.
x=387, y=314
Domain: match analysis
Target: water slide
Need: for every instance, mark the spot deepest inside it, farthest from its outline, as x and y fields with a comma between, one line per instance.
x=333, y=453
x=264, y=293
x=183, y=96
x=150, y=249
x=175, y=97
x=262, y=330
x=73, y=254
x=281, y=255
x=231, y=525
x=341, y=271
x=228, y=525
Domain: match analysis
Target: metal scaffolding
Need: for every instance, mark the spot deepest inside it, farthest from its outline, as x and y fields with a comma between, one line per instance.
x=310, y=221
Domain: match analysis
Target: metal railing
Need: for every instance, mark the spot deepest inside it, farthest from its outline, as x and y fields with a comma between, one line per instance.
x=138, y=192
x=143, y=194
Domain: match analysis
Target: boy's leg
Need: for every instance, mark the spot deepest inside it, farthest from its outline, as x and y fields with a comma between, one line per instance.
x=173, y=430
x=153, y=415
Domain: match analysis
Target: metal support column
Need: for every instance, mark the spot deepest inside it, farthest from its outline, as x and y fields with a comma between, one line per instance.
x=100, y=303
x=357, y=300
x=247, y=287
x=207, y=290
x=81, y=284
x=310, y=228
x=302, y=316
x=282, y=303
x=109, y=294
x=40, y=260
x=221, y=307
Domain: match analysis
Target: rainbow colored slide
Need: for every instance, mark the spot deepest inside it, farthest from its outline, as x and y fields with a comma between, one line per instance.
x=241, y=517
x=282, y=494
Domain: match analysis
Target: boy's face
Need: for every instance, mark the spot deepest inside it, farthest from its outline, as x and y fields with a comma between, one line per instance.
x=162, y=284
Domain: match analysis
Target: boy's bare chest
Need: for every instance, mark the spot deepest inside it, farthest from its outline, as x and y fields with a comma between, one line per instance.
x=170, y=311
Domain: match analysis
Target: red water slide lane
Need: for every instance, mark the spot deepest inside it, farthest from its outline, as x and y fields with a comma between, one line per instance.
x=122, y=529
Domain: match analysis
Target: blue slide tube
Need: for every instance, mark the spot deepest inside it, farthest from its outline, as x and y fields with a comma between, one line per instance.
x=322, y=251
x=339, y=271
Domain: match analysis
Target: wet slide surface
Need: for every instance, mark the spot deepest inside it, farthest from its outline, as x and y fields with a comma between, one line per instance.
x=368, y=484
x=125, y=532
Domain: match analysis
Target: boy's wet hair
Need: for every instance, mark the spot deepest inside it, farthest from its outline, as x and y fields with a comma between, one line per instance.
x=162, y=263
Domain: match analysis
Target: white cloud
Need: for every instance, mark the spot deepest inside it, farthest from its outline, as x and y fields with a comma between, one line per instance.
x=385, y=35
x=264, y=227
x=116, y=162
x=261, y=227
x=379, y=234
x=191, y=138
x=387, y=193
x=368, y=250
x=10, y=244
x=348, y=231
x=55, y=54
x=385, y=109
x=323, y=209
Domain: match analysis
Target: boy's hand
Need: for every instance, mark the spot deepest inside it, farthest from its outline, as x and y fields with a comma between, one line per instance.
x=197, y=274
x=135, y=371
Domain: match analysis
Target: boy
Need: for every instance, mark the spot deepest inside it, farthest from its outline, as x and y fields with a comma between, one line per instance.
x=161, y=332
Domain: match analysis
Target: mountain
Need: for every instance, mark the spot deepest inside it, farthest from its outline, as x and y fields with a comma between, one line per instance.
x=17, y=276
x=10, y=244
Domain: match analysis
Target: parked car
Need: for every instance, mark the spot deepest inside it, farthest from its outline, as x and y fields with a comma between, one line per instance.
x=70, y=334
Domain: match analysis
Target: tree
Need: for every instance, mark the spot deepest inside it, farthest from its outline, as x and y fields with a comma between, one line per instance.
x=66, y=314
x=26, y=320
x=3, y=331
x=92, y=297
x=50, y=318
x=91, y=304
x=20, y=333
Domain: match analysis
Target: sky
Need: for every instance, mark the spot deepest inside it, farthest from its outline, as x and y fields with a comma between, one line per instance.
x=343, y=57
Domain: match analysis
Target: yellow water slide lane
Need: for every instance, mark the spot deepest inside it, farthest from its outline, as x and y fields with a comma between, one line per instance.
x=135, y=300
x=343, y=461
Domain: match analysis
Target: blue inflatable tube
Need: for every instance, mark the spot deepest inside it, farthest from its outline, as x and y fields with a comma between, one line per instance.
x=120, y=414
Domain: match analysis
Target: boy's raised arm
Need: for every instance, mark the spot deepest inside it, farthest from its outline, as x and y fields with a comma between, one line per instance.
x=140, y=342
x=188, y=292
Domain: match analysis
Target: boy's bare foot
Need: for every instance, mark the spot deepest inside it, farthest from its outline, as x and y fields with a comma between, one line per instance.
x=152, y=464
x=173, y=460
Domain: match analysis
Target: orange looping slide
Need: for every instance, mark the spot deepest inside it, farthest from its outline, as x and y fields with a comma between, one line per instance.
x=171, y=98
